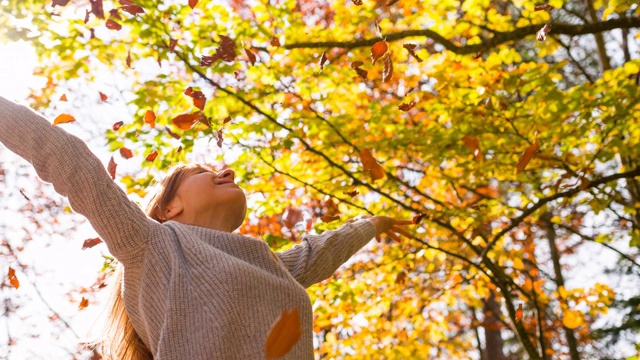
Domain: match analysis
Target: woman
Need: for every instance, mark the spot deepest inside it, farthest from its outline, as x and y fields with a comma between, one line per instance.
x=190, y=288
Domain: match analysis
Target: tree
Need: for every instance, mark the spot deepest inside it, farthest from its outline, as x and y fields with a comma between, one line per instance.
x=507, y=127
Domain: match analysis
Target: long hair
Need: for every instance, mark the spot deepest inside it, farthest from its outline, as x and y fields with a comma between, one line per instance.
x=119, y=339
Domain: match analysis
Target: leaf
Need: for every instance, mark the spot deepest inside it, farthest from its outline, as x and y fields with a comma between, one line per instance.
x=226, y=51
x=63, y=118
x=59, y=3
x=401, y=278
x=274, y=41
x=543, y=7
x=378, y=50
x=111, y=168
x=198, y=97
x=388, y=68
x=473, y=144
x=185, y=121
x=126, y=153
x=329, y=218
x=391, y=2
x=357, y=2
x=407, y=106
x=291, y=217
x=131, y=8
x=172, y=44
x=541, y=35
x=323, y=60
x=89, y=243
x=351, y=193
x=103, y=97
x=173, y=135
x=96, y=8
x=117, y=125
x=251, y=56
x=24, y=195
x=219, y=142
x=362, y=73
x=411, y=49
x=112, y=25
x=193, y=3
x=86, y=16
x=150, y=118
x=284, y=334
x=115, y=14
x=226, y=120
x=13, y=280
x=152, y=156
x=83, y=303
x=63, y=97
x=526, y=156
x=519, y=313
x=370, y=165
x=128, y=61
x=417, y=218
x=571, y=319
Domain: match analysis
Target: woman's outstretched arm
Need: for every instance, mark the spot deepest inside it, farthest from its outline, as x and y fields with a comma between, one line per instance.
x=65, y=161
x=317, y=257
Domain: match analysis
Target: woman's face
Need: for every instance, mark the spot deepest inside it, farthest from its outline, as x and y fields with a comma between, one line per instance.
x=212, y=199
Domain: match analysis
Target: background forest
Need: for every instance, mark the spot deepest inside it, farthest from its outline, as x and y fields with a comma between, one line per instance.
x=507, y=129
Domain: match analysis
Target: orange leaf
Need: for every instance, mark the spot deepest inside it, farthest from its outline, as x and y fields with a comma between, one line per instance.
x=519, y=313
x=150, y=118
x=83, y=303
x=63, y=118
x=391, y=2
x=185, y=121
x=284, y=334
x=151, y=156
x=13, y=280
x=274, y=41
x=63, y=97
x=111, y=168
x=526, y=156
x=371, y=165
x=407, y=106
x=378, y=50
x=193, y=3
x=89, y=243
x=473, y=144
x=417, y=218
x=103, y=97
x=126, y=153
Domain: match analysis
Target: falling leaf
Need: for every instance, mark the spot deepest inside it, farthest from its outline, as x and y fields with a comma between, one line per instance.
x=93, y=34
x=519, y=313
x=193, y=3
x=473, y=144
x=86, y=16
x=407, y=106
x=83, y=303
x=112, y=25
x=89, y=243
x=478, y=55
x=323, y=60
x=129, y=59
x=172, y=44
x=13, y=280
x=543, y=7
x=388, y=68
x=59, y=3
x=115, y=14
x=401, y=278
x=417, y=218
x=23, y=195
x=131, y=8
x=371, y=165
x=391, y=2
x=96, y=8
x=103, y=97
x=117, y=125
x=357, y=2
x=362, y=73
x=291, y=217
x=111, y=168
x=150, y=118
x=378, y=50
x=226, y=120
x=411, y=49
x=541, y=35
x=284, y=334
x=63, y=118
x=251, y=56
x=226, y=51
x=198, y=97
x=126, y=153
x=151, y=156
x=526, y=156
x=185, y=121
x=274, y=41
x=571, y=319
x=329, y=218
x=351, y=193
x=63, y=97
x=173, y=135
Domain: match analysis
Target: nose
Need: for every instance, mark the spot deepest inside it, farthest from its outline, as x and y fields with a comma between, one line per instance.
x=226, y=173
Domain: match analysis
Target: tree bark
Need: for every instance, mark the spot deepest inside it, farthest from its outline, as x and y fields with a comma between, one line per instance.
x=492, y=333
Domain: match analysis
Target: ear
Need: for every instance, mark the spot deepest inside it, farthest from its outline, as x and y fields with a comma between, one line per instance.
x=174, y=208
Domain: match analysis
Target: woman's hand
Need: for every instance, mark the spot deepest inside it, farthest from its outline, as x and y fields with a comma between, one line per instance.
x=388, y=226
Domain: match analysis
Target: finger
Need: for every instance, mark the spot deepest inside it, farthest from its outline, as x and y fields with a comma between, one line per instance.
x=395, y=237
x=403, y=222
x=402, y=232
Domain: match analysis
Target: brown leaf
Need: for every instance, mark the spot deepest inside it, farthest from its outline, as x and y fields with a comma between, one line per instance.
x=378, y=50
x=111, y=168
x=24, y=195
x=112, y=25
x=371, y=165
x=96, y=8
x=172, y=44
x=131, y=8
x=284, y=334
x=89, y=243
x=357, y=2
x=251, y=56
x=274, y=41
x=226, y=120
x=351, y=193
x=83, y=303
x=185, y=121
x=291, y=217
x=117, y=125
x=526, y=156
x=478, y=55
x=93, y=34
x=198, y=97
x=59, y=3
x=407, y=106
x=129, y=59
x=219, y=142
x=193, y=3
x=417, y=218
x=226, y=51
x=152, y=156
x=519, y=313
x=388, y=68
x=63, y=97
x=323, y=60
x=473, y=144
x=13, y=280
x=126, y=153
x=391, y=2
x=401, y=278
x=411, y=49
x=329, y=218
x=361, y=72
x=173, y=135
x=86, y=16
x=150, y=118
x=63, y=118
x=103, y=97
x=543, y=7
x=541, y=35
x=115, y=14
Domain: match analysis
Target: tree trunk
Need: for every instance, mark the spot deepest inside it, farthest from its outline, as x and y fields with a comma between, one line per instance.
x=492, y=333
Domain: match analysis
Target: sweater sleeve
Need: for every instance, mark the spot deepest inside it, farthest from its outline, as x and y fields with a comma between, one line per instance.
x=65, y=161
x=317, y=257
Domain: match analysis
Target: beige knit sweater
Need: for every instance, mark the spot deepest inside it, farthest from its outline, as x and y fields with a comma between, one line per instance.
x=191, y=292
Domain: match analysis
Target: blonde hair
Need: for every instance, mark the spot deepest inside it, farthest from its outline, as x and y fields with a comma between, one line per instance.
x=119, y=339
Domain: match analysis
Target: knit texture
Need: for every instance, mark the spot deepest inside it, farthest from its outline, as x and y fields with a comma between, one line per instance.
x=191, y=292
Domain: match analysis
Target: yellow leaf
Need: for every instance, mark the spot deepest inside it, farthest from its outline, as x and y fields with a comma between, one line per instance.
x=571, y=319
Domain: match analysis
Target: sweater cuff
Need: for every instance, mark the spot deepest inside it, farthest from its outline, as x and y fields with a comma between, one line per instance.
x=366, y=228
